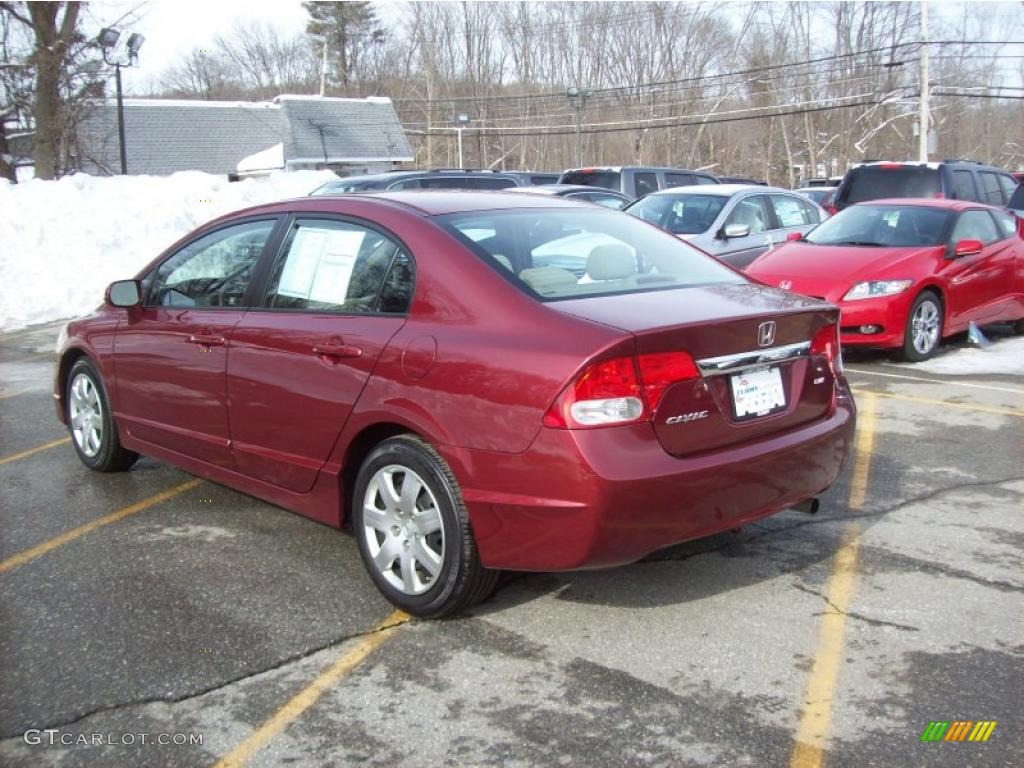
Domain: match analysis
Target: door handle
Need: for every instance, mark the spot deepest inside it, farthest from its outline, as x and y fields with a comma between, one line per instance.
x=337, y=350
x=206, y=341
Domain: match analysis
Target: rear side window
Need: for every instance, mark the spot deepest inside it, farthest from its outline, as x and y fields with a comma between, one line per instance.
x=876, y=182
x=568, y=253
x=963, y=186
x=336, y=266
x=212, y=271
x=606, y=179
x=991, y=191
x=679, y=179
x=705, y=180
x=791, y=212
x=645, y=183
x=975, y=225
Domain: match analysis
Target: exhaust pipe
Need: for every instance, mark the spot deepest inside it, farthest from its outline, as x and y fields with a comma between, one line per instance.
x=810, y=506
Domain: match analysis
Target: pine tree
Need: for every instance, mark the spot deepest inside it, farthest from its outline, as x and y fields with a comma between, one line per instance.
x=348, y=28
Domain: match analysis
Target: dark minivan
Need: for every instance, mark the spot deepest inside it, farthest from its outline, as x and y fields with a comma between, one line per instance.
x=950, y=179
x=635, y=181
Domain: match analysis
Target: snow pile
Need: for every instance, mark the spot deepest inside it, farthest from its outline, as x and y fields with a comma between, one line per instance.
x=1005, y=356
x=62, y=242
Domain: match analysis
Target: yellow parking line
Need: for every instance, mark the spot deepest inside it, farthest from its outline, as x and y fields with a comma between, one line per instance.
x=309, y=695
x=816, y=717
x=34, y=451
x=49, y=545
x=944, y=403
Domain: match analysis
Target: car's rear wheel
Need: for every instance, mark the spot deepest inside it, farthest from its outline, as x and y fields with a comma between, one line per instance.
x=924, y=327
x=414, y=532
x=91, y=422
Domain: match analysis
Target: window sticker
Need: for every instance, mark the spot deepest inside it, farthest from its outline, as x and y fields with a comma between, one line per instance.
x=319, y=264
x=301, y=263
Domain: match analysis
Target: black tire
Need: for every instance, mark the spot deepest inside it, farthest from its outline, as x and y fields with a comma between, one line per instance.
x=109, y=455
x=1018, y=327
x=462, y=581
x=910, y=352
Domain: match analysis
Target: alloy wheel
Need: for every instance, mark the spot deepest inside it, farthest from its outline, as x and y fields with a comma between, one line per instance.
x=924, y=327
x=86, y=413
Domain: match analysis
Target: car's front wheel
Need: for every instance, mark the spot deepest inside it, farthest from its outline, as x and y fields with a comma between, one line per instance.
x=414, y=532
x=91, y=422
x=924, y=328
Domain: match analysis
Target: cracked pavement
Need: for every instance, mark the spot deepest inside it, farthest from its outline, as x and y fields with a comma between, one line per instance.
x=206, y=613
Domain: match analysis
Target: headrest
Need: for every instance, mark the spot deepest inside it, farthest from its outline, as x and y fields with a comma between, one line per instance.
x=548, y=280
x=613, y=261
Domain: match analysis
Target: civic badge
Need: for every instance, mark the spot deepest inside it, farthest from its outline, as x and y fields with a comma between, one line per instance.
x=766, y=333
x=785, y=284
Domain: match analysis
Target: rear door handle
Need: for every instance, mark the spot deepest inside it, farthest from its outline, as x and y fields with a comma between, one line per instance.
x=337, y=350
x=206, y=341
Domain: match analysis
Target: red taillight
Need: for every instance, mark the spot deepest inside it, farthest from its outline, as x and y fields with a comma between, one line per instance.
x=940, y=196
x=612, y=392
x=832, y=210
x=826, y=343
x=658, y=371
x=890, y=166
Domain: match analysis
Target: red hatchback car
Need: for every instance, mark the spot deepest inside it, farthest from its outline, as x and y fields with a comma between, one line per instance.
x=414, y=365
x=907, y=273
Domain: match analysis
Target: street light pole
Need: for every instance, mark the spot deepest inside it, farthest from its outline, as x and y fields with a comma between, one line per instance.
x=461, y=121
x=120, y=121
x=107, y=39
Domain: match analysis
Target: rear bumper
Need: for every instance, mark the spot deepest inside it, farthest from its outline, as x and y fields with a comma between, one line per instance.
x=603, y=497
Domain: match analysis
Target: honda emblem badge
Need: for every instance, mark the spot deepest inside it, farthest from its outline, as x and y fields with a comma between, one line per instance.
x=766, y=333
x=786, y=284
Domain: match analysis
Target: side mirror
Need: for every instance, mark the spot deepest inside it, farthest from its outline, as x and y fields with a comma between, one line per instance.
x=793, y=237
x=967, y=248
x=732, y=231
x=124, y=293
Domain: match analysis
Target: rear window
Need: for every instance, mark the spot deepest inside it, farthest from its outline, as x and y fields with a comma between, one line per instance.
x=556, y=254
x=883, y=225
x=606, y=179
x=548, y=178
x=680, y=214
x=875, y=182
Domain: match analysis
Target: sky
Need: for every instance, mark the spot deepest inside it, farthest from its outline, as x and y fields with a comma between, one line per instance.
x=172, y=28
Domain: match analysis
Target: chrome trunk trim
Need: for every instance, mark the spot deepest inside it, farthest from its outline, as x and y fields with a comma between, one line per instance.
x=716, y=366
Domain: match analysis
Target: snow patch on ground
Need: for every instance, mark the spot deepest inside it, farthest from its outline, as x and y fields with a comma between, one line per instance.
x=1005, y=356
x=62, y=242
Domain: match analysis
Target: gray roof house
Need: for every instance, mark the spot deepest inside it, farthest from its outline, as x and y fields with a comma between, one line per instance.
x=163, y=136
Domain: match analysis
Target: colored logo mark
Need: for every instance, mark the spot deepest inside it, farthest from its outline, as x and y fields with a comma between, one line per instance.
x=958, y=730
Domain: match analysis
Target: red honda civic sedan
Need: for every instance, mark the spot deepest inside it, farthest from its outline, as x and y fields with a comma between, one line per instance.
x=416, y=366
x=907, y=273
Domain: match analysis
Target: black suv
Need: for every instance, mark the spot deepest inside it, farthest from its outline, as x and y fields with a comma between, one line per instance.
x=635, y=181
x=952, y=179
x=438, y=178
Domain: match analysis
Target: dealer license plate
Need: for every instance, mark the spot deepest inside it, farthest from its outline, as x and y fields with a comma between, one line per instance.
x=757, y=392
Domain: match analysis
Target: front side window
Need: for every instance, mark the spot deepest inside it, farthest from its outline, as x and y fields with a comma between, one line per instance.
x=680, y=214
x=1005, y=222
x=212, y=271
x=975, y=225
x=558, y=254
x=963, y=186
x=750, y=212
x=792, y=212
x=883, y=225
x=337, y=266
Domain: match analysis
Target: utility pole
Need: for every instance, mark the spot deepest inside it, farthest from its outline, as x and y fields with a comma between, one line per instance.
x=461, y=121
x=578, y=99
x=923, y=86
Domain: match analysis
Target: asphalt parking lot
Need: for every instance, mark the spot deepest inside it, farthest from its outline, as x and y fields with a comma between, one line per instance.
x=151, y=603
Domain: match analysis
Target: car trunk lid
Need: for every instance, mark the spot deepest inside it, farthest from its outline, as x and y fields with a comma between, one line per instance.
x=759, y=375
